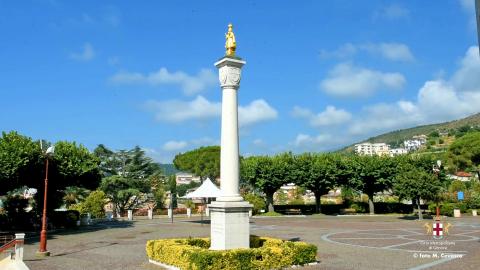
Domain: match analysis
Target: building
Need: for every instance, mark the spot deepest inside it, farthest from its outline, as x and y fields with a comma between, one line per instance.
x=415, y=143
x=398, y=152
x=462, y=176
x=370, y=149
x=186, y=178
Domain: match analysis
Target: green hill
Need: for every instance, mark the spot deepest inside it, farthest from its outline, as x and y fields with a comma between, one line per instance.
x=169, y=169
x=395, y=138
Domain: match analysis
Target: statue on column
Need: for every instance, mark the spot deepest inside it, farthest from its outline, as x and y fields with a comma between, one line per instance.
x=230, y=43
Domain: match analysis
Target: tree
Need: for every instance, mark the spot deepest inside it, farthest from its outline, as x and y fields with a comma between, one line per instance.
x=76, y=165
x=19, y=160
x=317, y=173
x=74, y=195
x=267, y=174
x=131, y=176
x=203, y=162
x=123, y=192
x=109, y=164
x=371, y=174
x=414, y=183
x=464, y=153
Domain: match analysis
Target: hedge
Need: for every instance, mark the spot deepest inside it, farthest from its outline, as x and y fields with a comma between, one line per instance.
x=265, y=253
x=360, y=207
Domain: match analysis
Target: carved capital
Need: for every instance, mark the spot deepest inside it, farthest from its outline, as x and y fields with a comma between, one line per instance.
x=229, y=76
x=229, y=72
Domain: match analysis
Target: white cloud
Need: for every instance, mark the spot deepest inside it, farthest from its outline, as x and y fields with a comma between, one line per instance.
x=176, y=111
x=437, y=101
x=344, y=51
x=346, y=80
x=391, y=51
x=331, y=116
x=469, y=7
x=307, y=140
x=258, y=142
x=257, y=111
x=190, y=84
x=174, y=145
x=392, y=12
x=87, y=54
x=205, y=141
x=467, y=77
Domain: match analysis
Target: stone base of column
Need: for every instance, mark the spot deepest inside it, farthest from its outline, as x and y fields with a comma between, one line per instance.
x=230, y=225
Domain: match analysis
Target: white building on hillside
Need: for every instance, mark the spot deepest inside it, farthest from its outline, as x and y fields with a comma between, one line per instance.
x=371, y=149
x=398, y=152
x=186, y=178
x=414, y=144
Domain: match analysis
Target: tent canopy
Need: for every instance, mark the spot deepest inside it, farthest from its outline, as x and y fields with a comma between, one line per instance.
x=206, y=190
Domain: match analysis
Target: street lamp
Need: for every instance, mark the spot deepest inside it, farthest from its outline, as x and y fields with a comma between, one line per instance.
x=436, y=171
x=43, y=234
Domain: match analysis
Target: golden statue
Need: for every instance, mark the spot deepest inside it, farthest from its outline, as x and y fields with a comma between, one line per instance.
x=230, y=44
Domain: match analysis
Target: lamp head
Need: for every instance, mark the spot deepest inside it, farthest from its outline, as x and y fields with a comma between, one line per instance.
x=50, y=150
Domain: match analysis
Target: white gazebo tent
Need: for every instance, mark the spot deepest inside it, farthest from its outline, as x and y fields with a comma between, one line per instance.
x=206, y=190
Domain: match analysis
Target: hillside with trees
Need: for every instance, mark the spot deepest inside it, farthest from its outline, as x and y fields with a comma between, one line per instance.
x=395, y=138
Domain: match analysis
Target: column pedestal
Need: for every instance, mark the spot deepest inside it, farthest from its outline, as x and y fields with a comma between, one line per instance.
x=229, y=225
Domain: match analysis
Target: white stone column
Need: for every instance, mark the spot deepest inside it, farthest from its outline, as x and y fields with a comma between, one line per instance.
x=229, y=217
x=229, y=75
x=150, y=213
x=130, y=214
x=19, y=238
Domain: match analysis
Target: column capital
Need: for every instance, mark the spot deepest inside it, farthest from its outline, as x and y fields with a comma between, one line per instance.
x=230, y=70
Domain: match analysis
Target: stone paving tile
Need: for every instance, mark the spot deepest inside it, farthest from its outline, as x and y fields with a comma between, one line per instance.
x=122, y=245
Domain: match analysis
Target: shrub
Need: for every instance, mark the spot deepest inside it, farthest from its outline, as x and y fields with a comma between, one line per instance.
x=271, y=214
x=359, y=207
x=265, y=253
x=65, y=219
x=446, y=209
x=257, y=201
x=93, y=204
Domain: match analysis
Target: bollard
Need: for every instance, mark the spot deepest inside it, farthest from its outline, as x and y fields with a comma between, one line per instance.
x=457, y=213
x=150, y=213
x=170, y=212
x=207, y=212
x=130, y=214
x=89, y=218
x=474, y=212
x=250, y=214
x=19, y=237
x=189, y=212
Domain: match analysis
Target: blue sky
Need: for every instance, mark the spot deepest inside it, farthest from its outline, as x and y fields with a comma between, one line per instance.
x=319, y=74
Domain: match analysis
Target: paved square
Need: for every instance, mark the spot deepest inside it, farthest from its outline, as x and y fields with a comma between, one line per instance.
x=357, y=242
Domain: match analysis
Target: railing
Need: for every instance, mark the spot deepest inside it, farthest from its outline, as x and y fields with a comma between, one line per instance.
x=13, y=245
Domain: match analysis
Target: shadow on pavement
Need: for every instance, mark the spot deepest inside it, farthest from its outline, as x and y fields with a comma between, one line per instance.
x=34, y=237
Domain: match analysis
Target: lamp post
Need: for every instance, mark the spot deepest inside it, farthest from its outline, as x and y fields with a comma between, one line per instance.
x=436, y=171
x=43, y=234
